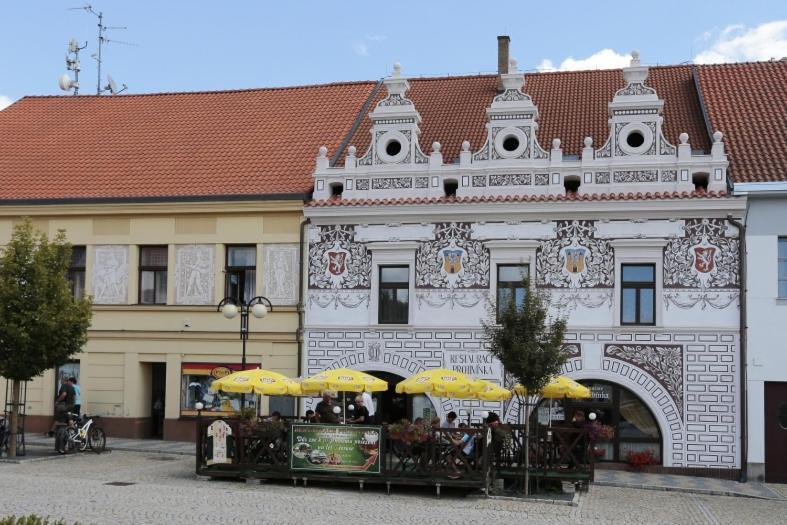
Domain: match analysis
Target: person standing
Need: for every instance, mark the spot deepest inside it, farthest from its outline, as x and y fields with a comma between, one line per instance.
x=368, y=402
x=324, y=409
x=64, y=403
x=361, y=413
x=77, y=396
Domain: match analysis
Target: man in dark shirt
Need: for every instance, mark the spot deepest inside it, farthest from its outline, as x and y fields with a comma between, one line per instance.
x=324, y=409
x=361, y=412
x=64, y=403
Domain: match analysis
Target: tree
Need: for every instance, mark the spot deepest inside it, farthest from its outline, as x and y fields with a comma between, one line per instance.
x=529, y=344
x=41, y=323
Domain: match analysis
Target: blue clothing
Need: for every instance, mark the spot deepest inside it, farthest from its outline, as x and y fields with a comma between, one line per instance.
x=470, y=444
x=77, y=395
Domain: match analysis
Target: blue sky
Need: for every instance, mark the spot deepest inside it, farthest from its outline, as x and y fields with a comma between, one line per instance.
x=199, y=45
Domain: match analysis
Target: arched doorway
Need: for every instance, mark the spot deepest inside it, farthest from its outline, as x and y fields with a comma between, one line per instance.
x=635, y=428
x=391, y=407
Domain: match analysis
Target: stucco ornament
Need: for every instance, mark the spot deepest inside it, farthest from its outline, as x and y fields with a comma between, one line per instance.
x=281, y=273
x=110, y=275
x=194, y=274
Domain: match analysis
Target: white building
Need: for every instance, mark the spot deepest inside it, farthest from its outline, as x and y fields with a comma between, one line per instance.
x=625, y=222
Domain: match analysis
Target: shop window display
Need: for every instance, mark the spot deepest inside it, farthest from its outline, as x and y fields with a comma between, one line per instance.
x=196, y=379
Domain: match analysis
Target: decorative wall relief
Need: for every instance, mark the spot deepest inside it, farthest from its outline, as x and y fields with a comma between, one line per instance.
x=194, y=273
x=110, y=275
x=337, y=298
x=663, y=362
x=280, y=277
x=575, y=258
x=336, y=261
x=452, y=259
x=705, y=260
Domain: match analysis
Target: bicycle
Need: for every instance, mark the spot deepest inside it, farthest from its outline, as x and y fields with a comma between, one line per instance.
x=5, y=434
x=79, y=433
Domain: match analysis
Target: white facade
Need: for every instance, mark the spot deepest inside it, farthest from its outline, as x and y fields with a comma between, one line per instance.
x=684, y=366
x=766, y=312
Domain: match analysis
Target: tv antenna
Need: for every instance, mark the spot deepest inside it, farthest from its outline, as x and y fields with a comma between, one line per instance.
x=72, y=64
x=102, y=39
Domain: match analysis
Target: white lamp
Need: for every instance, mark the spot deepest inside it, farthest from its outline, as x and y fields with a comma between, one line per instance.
x=229, y=310
x=199, y=406
x=484, y=414
x=592, y=416
x=337, y=410
x=259, y=310
x=350, y=407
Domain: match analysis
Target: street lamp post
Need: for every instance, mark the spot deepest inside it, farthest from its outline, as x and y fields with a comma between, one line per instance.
x=230, y=307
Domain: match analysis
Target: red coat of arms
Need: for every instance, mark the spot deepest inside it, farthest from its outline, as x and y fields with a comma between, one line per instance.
x=336, y=262
x=704, y=258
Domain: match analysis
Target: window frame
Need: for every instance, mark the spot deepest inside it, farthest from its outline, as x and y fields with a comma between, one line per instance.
x=403, y=285
x=240, y=270
x=779, y=260
x=510, y=285
x=638, y=286
x=156, y=270
x=73, y=269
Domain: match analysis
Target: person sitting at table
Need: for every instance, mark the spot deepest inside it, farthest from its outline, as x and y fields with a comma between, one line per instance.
x=323, y=412
x=450, y=420
x=309, y=417
x=276, y=416
x=464, y=443
x=361, y=414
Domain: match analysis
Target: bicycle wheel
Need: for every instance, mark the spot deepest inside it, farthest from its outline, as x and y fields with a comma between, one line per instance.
x=97, y=440
x=61, y=438
x=71, y=436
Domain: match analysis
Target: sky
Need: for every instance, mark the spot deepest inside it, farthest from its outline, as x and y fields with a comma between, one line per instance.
x=196, y=45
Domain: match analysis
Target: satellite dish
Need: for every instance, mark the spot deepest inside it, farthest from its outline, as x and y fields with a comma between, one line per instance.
x=113, y=87
x=66, y=83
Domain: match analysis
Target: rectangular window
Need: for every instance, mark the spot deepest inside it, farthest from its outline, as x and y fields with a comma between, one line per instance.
x=783, y=267
x=76, y=271
x=638, y=294
x=195, y=382
x=394, y=301
x=153, y=274
x=241, y=272
x=510, y=285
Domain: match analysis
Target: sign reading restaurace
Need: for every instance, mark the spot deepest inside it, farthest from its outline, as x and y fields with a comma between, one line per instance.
x=335, y=448
x=480, y=364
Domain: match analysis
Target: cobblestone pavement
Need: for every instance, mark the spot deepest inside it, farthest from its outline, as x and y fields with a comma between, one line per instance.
x=164, y=490
x=133, y=445
x=694, y=484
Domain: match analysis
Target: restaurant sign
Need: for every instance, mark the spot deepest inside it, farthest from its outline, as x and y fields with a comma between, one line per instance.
x=335, y=448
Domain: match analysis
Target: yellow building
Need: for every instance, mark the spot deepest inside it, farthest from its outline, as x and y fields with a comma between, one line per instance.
x=172, y=202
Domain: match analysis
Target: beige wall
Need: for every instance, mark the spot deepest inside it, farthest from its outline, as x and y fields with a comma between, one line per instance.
x=124, y=339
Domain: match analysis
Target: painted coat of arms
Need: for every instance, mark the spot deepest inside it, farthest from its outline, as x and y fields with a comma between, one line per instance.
x=452, y=259
x=337, y=261
x=575, y=258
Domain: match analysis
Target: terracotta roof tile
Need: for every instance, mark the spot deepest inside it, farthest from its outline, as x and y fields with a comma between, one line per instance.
x=520, y=198
x=248, y=142
x=748, y=103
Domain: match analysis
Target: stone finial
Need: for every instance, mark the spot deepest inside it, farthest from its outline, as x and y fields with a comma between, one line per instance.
x=323, y=151
x=555, y=143
x=465, y=145
x=717, y=136
x=351, y=151
x=436, y=147
x=513, y=65
x=588, y=142
x=397, y=70
x=684, y=138
x=634, y=58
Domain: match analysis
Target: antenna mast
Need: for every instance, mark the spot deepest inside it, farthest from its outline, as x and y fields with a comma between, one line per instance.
x=72, y=64
x=102, y=29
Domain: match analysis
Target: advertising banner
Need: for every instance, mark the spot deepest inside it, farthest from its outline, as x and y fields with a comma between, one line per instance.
x=335, y=448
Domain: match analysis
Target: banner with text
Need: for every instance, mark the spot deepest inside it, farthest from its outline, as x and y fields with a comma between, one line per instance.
x=335, y=448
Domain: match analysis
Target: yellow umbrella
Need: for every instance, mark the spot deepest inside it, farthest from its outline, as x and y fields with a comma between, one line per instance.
x=494, y=392
x=557, y=388
x=257, y=381
x=298, y=391
x=442, y=382
x=343, y=380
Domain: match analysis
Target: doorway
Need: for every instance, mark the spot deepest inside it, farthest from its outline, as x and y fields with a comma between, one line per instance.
x=158, y=390
x=775, y=432
x=392, y=407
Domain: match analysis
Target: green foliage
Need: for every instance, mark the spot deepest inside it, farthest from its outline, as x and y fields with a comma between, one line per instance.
x=527, y=342
x=30, y=520
x=41, y=324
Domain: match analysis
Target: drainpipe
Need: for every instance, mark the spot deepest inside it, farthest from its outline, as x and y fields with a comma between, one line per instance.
x=743, y=328
x=301, y=302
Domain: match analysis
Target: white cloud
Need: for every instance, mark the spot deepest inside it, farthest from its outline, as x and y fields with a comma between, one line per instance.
x=604, y=59
x=736, y=43
x=5, y=102
x=361, y=49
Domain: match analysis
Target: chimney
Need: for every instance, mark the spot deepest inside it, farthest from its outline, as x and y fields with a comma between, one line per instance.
x=502, y=58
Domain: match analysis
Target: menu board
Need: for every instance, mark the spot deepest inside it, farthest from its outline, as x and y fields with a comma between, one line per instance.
x=335, y=448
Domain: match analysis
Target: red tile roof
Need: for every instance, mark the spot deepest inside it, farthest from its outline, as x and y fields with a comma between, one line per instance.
x=250, y=142
x=748, y=103
x=264, y=141
x=520, y=198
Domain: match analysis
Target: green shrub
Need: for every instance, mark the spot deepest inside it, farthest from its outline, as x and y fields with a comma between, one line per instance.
x=30, y=520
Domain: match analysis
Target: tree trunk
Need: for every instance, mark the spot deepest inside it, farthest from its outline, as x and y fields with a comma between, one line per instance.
x=13, y=427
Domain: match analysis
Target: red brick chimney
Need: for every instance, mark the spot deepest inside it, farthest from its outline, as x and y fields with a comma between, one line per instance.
x=502, y=58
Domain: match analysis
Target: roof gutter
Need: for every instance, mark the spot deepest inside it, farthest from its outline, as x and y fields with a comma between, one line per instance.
x=152, y=199
x=774, y=188
x=743, y=348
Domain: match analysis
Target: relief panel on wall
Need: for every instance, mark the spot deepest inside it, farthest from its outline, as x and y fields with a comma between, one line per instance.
x=110, y=275
x=339, y=268
x=194, y=273
x=280, y=274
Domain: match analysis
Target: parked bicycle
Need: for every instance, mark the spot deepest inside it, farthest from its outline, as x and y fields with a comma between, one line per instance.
x=5, y=438
x=80, y=433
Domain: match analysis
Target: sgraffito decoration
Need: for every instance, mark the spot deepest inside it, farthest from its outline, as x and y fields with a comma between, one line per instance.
x=452, y=260
x=110, y=275
x=575, y=258
x=701, y=265
x=663, y=362
x=337, y=262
